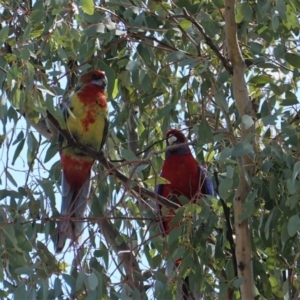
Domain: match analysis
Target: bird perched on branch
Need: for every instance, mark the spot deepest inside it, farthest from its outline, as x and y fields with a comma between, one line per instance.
x=86, y=115
x=187, y=178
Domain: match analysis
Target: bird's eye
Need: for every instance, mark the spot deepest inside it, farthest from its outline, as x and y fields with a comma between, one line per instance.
x=172, y=139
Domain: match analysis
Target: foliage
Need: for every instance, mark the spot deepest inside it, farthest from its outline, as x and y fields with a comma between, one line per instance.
x=163, y=62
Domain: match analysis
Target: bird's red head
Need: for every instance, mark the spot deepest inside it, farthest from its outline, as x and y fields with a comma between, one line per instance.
x=96, y=77
x=175, y=136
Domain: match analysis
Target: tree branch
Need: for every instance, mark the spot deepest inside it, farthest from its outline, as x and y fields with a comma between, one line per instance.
x=208, y=40
x=243, y=241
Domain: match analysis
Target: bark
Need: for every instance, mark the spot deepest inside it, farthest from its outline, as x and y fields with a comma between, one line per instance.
x=243, y=247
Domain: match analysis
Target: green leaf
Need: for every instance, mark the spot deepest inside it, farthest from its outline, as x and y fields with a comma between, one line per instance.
x=87, y=6
x=70, y=281
x=284, y=233
x=293, y=59
x=56, y=113
x=45, y=90
x=57, y=287
x=292, y=201
x=25, y=270
x=128, y=155
x=10, y=178
x=26, y=33
x=175, y=56
x=291, y=186
x=241, y=149
x=18, y=151
x=80, y=281
x=238, y=282
x=132, y=65
x=48, y=188
x=93, y=30
x=229, y=172
x=9, y=231
x=273, y=187
x=277, y=90
x=248, y=121
x=226, y=152
x=267, y=225
x=290, y=99
x=203, y=132
x=218, y=3
x=111, y=79
x=191, y=62
x=185, y=24
x=249, y=206
x=51, y=151
x=260, y=79
x=238, y=13
x=247, y=11
x=275, y=22
x=293, y=225
x=296, y=171
x=225, y=187
x=92, y=281
x=7, y=193
x=177, y=218
x=281, y=7
x=221, y=100
x=3, y=34
x=152, y=180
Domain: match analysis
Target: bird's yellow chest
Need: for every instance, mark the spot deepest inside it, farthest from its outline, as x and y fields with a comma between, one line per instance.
x=87, y=120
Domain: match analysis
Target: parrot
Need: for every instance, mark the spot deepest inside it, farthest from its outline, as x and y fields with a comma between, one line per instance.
x=86, y=116
x=186, y=178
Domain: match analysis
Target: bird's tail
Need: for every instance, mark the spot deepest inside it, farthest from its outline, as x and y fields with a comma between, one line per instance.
x=73, y=209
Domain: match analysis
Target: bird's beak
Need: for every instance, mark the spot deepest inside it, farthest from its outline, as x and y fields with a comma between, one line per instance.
x=101, y=82
x=172, y=140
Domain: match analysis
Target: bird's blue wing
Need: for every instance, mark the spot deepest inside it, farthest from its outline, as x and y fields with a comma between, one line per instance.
x=207, y=187
x=158, y=191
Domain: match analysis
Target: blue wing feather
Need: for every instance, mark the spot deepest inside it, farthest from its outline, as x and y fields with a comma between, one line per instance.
x=207, y=185
x=158, y=189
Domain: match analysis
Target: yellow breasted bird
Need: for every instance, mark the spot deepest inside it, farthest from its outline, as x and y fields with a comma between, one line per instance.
x=86, y=115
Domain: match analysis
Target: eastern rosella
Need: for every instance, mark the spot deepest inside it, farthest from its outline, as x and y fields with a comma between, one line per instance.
x=86, y=115
x=187, y=178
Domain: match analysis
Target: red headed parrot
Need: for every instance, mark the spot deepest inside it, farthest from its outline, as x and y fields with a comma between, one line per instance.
x=187, y=178
x=86, y=115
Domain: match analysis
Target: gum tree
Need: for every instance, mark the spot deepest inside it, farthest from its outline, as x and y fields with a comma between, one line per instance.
x=225, y=72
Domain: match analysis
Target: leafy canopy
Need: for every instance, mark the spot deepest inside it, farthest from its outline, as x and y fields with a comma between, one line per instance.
x=166, y=67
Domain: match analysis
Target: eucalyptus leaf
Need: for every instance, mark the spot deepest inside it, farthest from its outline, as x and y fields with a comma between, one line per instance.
x=293, y=225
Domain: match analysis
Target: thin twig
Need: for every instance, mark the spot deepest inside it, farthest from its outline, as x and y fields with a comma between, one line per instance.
x=208, y=40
